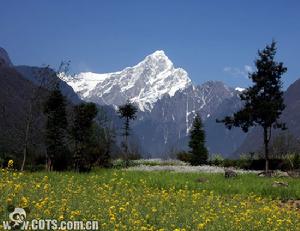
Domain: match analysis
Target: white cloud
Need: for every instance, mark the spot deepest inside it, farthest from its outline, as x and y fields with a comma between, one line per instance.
x=227, y=69
x=248, y=68
x=239, y=72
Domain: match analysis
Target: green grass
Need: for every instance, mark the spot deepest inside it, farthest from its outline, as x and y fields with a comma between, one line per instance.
x=244, y=184
x=136, y=200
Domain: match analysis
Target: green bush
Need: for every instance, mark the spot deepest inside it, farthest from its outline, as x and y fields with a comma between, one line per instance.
x=36, y=168
x=184, y=156
x=120, y=163
x=134, y=156
x=217, y=160
x=296, y=161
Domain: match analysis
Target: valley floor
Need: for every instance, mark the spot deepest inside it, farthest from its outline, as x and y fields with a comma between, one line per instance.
x=160, y=200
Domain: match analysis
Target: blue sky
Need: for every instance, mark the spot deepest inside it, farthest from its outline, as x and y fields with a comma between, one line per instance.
x=211, y=40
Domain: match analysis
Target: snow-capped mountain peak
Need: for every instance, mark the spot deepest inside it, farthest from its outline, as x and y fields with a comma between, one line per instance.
x=143, y=83
x=158, y=59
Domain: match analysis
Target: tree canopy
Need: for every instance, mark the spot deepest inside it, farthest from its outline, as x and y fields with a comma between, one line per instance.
x=128, y=112
x=263, y=101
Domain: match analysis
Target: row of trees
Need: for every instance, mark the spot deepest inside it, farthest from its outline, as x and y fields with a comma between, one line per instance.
x=83, y=135
x=76, y=142
x=53, y=132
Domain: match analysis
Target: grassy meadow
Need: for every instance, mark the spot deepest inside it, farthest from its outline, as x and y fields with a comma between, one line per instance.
x=163, y=200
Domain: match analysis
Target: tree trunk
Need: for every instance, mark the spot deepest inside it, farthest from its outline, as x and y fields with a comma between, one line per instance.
x=126, y=142
x=48, y=163
x=266, y=144
x=24, y=157
x=25, y=149
x=126, y=151
x=27, y=132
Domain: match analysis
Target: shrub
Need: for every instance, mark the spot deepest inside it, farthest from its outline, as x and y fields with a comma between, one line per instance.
x=134, y=156
x=184, y=156
x=296, y=161
x=275, y=164
x=217, y=160
x=36, y=168
x=120, y=163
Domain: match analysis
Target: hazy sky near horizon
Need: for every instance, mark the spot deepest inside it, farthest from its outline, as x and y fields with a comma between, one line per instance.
x=211, y=40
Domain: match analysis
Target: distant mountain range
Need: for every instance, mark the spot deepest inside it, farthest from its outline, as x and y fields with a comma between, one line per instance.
x=167, y=101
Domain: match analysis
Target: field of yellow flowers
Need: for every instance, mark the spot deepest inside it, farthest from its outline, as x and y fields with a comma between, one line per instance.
x=129, y=200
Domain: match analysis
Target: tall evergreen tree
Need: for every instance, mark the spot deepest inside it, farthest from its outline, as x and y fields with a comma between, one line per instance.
x=101, y=144
x=55, y=111
x=199, y=153
x=128, y=112
x=82, y=132
x=263, y=102
x=104, y=138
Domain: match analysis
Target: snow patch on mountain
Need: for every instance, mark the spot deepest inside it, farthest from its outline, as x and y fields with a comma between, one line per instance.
x=240, y=89
x=83, y=83
x=143, y=84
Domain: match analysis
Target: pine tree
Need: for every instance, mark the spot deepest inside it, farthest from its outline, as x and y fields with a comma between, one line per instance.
x=101, y=145
x=55, y=110
x=128, y=112
x=199, y=153
x=82, y=133
x=263, y=102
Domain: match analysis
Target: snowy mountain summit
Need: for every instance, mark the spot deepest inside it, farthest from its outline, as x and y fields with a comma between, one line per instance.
x=143, y=84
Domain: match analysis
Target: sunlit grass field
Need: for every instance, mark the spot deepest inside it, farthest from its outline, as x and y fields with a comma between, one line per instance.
x=135, y=200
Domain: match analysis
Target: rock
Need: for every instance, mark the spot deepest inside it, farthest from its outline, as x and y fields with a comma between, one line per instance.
x=266, y=174
x=273, y=174
x=261, y=174
x=201, y=180
x=295, y=173
x=230, y=173
x=280, y=184
x=281, y=174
